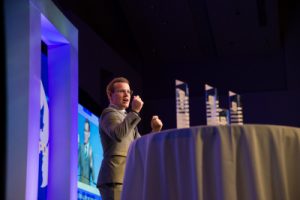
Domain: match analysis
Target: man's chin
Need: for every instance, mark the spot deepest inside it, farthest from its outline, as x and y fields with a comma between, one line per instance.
x=125, y=106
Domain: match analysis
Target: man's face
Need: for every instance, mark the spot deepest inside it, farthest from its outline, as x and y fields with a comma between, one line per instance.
x=121, y=95
x=86, y=126
x=86, y=132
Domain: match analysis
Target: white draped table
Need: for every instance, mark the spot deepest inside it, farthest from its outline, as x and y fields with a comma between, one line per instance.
x=237, y=162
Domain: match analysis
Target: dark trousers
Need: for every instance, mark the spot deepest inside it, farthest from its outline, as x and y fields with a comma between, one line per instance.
x=111, y=191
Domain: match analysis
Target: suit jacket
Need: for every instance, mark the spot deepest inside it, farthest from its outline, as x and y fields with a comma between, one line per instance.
x=85, y=161
x=117, y=131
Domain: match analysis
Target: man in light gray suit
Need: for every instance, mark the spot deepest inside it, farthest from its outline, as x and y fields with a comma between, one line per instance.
x=117, y=130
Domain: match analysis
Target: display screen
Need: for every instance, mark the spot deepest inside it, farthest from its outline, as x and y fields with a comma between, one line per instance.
x=90, y=154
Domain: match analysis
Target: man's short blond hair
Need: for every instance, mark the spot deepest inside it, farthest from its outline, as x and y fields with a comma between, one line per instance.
x=110, y=87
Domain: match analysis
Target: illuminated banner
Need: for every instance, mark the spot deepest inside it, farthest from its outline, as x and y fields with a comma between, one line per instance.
x=236, y=110
x=43, y=145
x=182, y=104
x=212, y=105
x=44, y=128
x=90, y=154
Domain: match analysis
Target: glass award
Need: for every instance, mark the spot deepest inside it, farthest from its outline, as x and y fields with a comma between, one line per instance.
x=212, y=105
x=236, y=110
x=182, y=104
x=224, y=116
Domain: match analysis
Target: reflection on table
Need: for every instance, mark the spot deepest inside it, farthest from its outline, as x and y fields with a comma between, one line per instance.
x=237, y=162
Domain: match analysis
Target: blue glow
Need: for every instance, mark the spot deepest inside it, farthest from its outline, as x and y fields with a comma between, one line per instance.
x=50, y=35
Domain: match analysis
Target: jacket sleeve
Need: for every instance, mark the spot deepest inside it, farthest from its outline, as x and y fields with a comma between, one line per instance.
x=116, y=126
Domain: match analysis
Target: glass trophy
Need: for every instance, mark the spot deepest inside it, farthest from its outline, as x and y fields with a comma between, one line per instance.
x=182, y=105
x=224, y=116
x=236, y=110
x=212, y=105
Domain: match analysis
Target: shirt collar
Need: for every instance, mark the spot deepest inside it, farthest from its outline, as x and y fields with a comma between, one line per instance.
x=116, y=107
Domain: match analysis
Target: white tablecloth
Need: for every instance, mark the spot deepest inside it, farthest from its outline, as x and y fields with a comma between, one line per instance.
x=215, y=162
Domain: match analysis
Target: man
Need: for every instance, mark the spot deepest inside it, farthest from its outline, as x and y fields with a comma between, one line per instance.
x=86, y=157
x=117, y=130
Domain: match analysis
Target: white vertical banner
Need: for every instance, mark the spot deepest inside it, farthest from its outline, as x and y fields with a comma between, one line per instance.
x=212, y=105
x=43, y=146
x=235, y=108
x=182, y=104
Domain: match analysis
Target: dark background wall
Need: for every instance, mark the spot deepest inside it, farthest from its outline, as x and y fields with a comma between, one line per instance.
x=3, y=91
x=98, y=64
x=258, y=62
